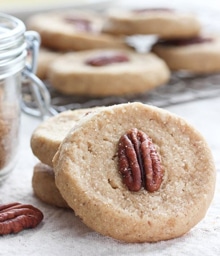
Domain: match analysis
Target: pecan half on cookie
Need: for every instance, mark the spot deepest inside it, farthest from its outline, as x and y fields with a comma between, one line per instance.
x=139, y=162
x=79, y=23
x=185, y=42
x=107, y=59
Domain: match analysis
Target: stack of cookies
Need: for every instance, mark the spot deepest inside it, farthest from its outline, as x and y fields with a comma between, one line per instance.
x=45, y=142
x=130, y=171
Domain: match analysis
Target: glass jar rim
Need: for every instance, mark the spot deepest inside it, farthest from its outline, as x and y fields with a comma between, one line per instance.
x=17, y=26
x=12, y=44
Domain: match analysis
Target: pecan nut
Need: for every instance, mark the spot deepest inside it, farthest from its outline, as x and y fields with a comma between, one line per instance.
x=185, y=42
x=79, y=23
x=107, y=59
x=139, y=162
x=156, y=10
x=15, y=217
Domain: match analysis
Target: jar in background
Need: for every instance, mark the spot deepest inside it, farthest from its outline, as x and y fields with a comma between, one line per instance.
x=15, y=45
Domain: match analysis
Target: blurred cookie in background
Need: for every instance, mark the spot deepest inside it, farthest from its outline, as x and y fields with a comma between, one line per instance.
x=107, y=73
x=45, y=58
x=197, y=55
x=73, y=30
x=164, y=22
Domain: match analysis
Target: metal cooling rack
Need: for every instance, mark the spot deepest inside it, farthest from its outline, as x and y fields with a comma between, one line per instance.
x=180, y=89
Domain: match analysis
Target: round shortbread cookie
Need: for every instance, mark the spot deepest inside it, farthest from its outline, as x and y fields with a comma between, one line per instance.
x=73, y=30
x=45, y=58
x=200, y=55
x=87, y=174
x=107, y=72
x=43, y=183
x=166, y=23
x=47, y=137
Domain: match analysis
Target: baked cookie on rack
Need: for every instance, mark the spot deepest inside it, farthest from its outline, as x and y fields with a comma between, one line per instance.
x=109, y=72
x=136, y=173
x=198, y=55
x=45, y=58
x=73, y=30
x=43, y=183
x=164, y=22
x=47, y=137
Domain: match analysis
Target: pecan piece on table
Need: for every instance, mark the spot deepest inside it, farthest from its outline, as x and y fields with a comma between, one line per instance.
x=15, y=217
x=107, y=59
x=139, y=162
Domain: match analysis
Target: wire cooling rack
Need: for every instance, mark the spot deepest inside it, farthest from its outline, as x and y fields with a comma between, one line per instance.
x=180, y=89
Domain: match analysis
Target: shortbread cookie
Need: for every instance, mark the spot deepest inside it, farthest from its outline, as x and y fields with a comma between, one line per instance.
x=71, y=30
x=43, y=183
x=107, y=73
x=45, y=58
x=166, y=23
x=134, y=199
x=47, y=137
x=199, y=55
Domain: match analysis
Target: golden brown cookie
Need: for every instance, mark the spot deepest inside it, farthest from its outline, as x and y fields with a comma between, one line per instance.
x=47, y=137
x=72, y=30
x=163, y=22
x=198, y=55
x=160, y=188
x=45, y=58
x=43, y=183
x=107, y=73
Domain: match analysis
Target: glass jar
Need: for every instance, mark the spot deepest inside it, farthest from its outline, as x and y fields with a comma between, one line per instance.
x=15, y=67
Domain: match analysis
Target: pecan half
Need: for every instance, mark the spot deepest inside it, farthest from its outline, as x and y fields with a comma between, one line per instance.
x=79, y=23
x=15, y=217
x=139, y=162
x=107, y=59
x=185, y=42
x=147, y=10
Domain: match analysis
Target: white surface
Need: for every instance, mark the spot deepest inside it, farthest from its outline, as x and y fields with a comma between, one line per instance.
x=61, y=233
